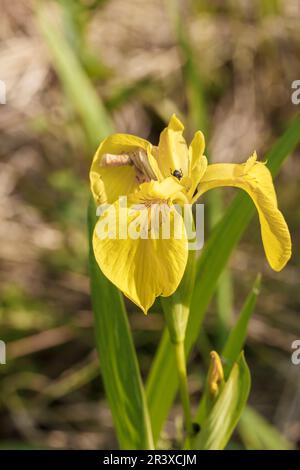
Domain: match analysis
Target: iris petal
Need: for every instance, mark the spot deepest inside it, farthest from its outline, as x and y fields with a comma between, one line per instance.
x=172, y=149
x=255, y=178
x=197, y=161
x=143, y=267
x=110, y=182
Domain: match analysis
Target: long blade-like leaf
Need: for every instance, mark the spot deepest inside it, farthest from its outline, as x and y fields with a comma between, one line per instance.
x=162, y=381
x=233, y=346
x=77, y=86
x=225, y=413
x=258, y=434
x=237, y=337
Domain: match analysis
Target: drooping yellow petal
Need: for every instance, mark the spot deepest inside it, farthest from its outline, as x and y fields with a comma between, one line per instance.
x=255, y=178
x=110, y=182
x=172, y=149
x=136, y=258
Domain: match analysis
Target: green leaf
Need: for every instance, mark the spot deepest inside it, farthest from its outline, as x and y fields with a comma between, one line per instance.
x=226, y=411
x=258, y=434
x=233, y=346
x=237, y=337
x=224, y=290
x=77, y=85
x=119, y=366
x=162, y=381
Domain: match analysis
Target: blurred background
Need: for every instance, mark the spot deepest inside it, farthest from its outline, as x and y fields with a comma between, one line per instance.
x=223, y=67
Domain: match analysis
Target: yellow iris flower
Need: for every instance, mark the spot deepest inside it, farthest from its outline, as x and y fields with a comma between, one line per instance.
x=171, y=173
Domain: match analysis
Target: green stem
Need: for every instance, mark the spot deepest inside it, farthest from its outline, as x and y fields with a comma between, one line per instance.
x=183, y=388
x=176, y=311
x=149, y=436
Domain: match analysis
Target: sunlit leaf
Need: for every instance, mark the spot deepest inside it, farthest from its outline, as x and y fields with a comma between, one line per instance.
x=77, y=85
x=237, y=337
x=226, y=411
x=258, y=434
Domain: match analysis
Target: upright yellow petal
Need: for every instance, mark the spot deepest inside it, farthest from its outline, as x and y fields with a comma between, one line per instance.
x=255, y=178
x=196, y=149
x=108, y=182
x=197, y=161
x=172, y=149
x=141, y=266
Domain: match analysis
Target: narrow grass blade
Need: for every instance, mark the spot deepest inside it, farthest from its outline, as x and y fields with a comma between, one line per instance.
x=258, y=434
x=233, y=346
x=237, y=337
x=76, y=83
x=224, y=290
x=162, y=380
x=73, y=380
x=226, y=411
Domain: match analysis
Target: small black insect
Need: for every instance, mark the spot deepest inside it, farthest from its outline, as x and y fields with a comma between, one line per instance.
x=177, y=173
x=196, y=428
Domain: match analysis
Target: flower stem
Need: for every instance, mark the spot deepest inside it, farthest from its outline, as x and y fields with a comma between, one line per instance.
x=183, y=387
x=176, y=311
